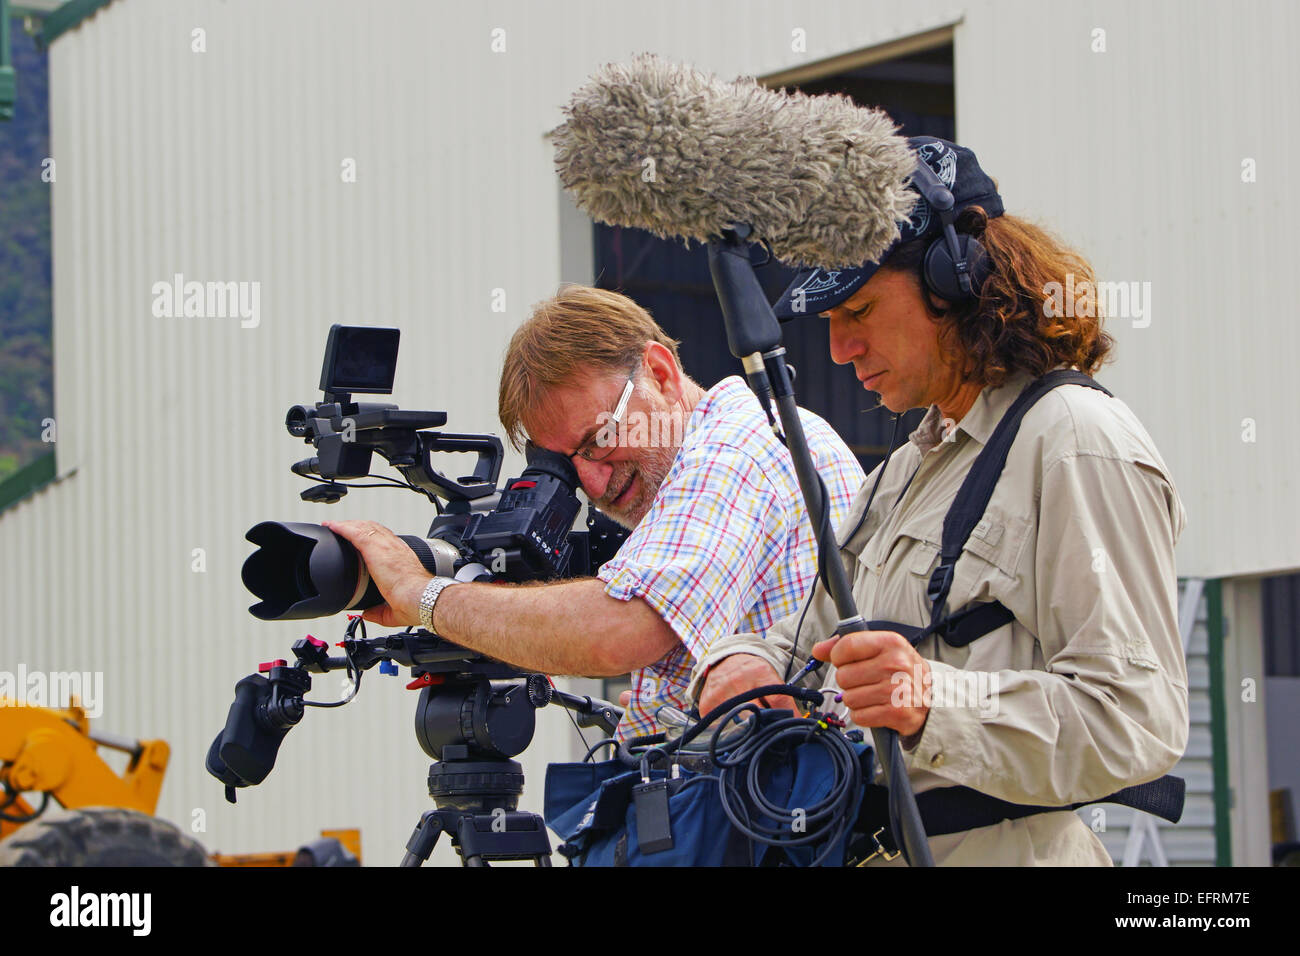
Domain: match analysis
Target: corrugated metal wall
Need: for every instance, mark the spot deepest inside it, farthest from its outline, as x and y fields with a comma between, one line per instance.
x=1190, y=842
x=225, y=166
x=1135, y=155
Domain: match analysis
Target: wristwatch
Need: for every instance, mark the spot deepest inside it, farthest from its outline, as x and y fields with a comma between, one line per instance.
x=429, y=598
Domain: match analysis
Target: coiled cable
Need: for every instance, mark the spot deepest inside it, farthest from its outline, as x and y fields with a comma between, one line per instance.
x=743, y=770
x=744, y=767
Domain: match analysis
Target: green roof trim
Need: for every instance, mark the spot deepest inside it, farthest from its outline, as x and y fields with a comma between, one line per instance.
x=8, y=80
x=30, y=478
x=1219, y=726
x=67, y=17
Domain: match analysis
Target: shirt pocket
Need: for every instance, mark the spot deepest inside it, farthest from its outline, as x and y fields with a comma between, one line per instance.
x=901, y=571
x=986, y=570
x=990, y=557
x=989, y=566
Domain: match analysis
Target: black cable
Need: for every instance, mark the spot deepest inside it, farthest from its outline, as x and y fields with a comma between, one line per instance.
x=624, y=750
x=824, y=823
x=833, y=817
x=821, y=576
x=895, y=760
x=630, y=749
x=573, y=720
x=741, y=768
x=382, y=481
x=607, y=742
x=14, y=794
x=581, y=735
x=353, y=671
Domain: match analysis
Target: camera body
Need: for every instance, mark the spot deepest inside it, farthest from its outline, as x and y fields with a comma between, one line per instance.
x=521, y=533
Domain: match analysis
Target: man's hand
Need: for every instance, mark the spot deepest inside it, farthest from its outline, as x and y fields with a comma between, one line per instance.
x=736, y=674
x=885, y=682
x=393, y=567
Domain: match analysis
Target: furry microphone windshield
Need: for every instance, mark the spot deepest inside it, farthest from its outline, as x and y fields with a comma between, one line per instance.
x=670, y=149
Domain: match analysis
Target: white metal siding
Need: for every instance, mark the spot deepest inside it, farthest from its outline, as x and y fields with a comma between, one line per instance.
x=1190, y=842
x=226, y=166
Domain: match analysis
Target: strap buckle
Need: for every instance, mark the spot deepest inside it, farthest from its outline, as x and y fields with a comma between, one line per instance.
x=880, y=850
x=940, y=582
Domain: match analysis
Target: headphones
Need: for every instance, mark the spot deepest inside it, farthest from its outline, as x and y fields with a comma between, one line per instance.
x=955, y=265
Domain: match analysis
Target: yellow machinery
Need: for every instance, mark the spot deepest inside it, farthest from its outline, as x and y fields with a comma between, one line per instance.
x=350, y=840
x=108, y=817
x=52, y=751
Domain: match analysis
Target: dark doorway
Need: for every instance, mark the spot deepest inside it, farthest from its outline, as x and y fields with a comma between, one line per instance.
x=672, y=280
x=1280, y=598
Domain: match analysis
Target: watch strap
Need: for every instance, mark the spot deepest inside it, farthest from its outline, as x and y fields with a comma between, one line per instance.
x=429, y=598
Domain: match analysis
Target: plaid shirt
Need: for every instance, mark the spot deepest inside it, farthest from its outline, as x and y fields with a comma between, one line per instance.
x=726, y=545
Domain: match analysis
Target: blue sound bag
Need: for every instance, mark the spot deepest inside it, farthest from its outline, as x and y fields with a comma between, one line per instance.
x=613, y=814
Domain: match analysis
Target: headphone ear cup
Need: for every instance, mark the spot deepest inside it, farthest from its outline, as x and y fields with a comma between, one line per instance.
x=941, y=272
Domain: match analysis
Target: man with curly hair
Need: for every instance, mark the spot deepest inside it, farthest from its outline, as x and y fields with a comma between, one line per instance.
x=1082, y=690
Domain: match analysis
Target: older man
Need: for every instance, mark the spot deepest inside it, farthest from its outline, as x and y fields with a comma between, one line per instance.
x=721, y=541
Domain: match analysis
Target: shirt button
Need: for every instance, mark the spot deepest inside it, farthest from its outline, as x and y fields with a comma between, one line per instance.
x=936, y=760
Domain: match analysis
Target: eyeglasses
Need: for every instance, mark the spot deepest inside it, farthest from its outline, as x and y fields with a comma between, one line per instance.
x=602, y=444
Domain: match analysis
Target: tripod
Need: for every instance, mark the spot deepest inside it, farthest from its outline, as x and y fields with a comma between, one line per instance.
x=477, y=804
x=472, y=726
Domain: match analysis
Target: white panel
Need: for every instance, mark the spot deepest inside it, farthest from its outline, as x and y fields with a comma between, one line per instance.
x=1134, y=156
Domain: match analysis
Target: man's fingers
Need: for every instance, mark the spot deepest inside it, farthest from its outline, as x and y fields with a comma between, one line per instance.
x=380, y=614
x=870, y=695
x=858, y=646
x=865, y=671
x=344, y=529
x=822, y=650
x=354, y=531
x=740, y=673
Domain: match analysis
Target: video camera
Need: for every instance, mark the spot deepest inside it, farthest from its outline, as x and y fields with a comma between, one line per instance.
x=474, y=713
x=521, y=533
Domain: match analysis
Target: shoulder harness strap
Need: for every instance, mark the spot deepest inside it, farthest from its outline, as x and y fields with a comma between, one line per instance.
x=971, y=501
x=953, y=809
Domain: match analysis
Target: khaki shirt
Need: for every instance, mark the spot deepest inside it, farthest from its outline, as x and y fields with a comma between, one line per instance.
x=1085, y=692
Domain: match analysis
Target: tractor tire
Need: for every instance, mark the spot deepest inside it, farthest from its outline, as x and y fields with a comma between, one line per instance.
x=100, y=836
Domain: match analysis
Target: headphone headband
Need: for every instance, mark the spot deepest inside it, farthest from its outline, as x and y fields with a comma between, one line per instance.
x=951, y=264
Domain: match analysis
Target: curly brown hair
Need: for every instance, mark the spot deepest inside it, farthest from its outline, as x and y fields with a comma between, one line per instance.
x=1009, y=327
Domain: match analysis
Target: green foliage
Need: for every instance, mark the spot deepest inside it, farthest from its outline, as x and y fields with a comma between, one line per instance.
x=26, y=357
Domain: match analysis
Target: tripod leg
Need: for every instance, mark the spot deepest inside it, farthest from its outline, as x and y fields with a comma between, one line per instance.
x=423, y=839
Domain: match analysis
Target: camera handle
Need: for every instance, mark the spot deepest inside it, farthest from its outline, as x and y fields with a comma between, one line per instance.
x=481, y=483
